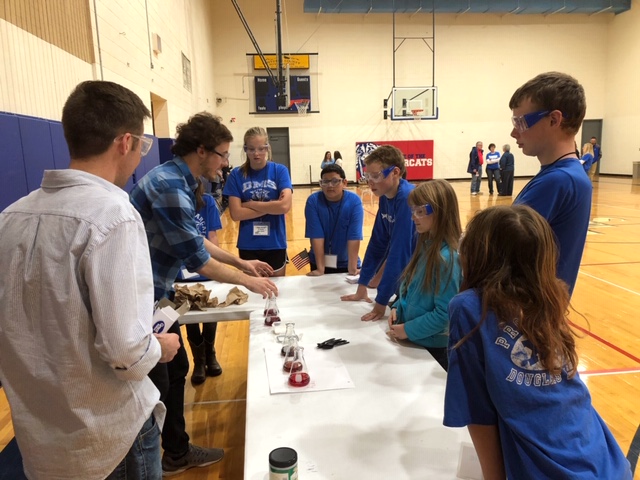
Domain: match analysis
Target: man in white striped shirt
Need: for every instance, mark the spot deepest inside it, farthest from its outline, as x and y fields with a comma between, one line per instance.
x=76, y=304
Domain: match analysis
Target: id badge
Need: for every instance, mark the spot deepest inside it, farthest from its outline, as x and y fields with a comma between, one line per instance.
x=331, y=261
x=261, y=229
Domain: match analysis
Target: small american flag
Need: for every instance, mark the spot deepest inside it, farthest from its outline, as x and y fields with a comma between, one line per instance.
x=301, y=259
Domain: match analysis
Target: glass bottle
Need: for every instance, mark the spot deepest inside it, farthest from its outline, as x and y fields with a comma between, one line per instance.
x=298, y=372
x=290, y=341
x=271, y=312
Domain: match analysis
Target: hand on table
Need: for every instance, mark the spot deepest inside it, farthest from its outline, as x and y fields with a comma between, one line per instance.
x=361, y=294
x=397, y=331
x=315, y=273
x=169, y=345
x=393, y=316
x=376, y=314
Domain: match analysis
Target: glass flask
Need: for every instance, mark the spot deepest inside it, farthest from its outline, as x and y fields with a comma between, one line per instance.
x=271, y=312
x=290, y=341
x=298, y=372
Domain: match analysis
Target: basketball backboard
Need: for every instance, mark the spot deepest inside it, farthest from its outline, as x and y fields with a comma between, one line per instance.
x=414, y=103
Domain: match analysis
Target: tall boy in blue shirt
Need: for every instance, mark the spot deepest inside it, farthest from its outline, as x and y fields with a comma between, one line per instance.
x=393, y=237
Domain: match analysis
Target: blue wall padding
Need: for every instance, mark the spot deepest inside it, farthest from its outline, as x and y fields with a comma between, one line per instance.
x=164, y=149
x=13, y=180
x=61, y=156
x=37, y=149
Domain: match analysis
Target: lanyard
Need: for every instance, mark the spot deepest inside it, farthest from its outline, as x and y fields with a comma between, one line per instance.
x=545, y=167
x=335, y=224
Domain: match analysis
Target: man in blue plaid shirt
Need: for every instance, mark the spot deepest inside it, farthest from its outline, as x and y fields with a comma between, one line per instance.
x=166, y=202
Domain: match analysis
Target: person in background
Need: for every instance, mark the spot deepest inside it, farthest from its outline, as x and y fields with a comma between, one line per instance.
x=493, y=168
x=334, y=219
x=165, y=199
x=597, y=155
x=432, y=277
x=202, y=337
x=327, y=160
x=475, y=168
x=547, y=112
x=507, y=168
x=587, y=157
x=76, y=304
x=513, y=376
x=337, y=158
x=393, y=236
x=260, y=195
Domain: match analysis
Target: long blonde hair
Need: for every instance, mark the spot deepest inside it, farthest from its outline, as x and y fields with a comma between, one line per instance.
x=446, y=229
x=253, y=132
x=587, y=148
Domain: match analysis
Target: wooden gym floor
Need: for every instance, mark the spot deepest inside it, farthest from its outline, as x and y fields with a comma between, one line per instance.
x=607, y=295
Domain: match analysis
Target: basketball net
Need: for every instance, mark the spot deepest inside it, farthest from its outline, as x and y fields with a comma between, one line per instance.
x=302, y=106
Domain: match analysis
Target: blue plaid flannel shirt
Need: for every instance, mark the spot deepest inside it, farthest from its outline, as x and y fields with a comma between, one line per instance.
x=165, y=199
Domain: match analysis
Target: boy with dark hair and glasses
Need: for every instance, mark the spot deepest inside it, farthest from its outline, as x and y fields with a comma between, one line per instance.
x=393, y=236
x=547, y=113
x=334, y=220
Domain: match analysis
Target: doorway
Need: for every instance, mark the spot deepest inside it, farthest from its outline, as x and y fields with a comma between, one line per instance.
x=279, y=141
x=591, y=128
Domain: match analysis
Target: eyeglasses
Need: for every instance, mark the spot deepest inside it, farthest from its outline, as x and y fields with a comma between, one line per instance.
x=260, y=150
x=334, y=182
x=524, y=122
x=223, y=155
x=421, y=211
x=145, y=141
x=379, y=176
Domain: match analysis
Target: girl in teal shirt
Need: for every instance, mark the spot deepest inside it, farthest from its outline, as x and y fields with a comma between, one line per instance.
x=432, y=277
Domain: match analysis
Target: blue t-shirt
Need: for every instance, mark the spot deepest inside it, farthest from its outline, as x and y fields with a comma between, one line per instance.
x=335, y=222
x=263, y=186
x=393, y=239
x=425, y=312
x=548, y=427
x=207, y=220
x=490, y=157
x=561, y=193
x=588, y=161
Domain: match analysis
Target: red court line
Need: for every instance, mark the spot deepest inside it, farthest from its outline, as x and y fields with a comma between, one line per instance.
x=611, y=371
x=607, y=343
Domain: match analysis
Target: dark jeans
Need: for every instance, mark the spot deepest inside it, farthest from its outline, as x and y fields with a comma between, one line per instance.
x=507, y=182
x=329, y=269
x=441, y=355
x=491, y=175
x=208, y=332
x=170, y=378
x=143, y=459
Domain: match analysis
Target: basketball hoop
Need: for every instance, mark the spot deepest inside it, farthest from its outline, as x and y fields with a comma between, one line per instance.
x=417, y=113
x=302, y=106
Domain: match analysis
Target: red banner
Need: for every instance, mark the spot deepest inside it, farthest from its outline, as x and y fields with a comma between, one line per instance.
x=418, y=157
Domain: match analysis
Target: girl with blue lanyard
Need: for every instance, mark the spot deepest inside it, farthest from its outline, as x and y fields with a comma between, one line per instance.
x=260, y=194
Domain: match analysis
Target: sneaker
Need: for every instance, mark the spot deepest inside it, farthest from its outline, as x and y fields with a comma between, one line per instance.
x=195, y=457
x=474, y=193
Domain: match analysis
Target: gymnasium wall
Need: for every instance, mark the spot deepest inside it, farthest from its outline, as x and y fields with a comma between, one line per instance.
x=480, y=61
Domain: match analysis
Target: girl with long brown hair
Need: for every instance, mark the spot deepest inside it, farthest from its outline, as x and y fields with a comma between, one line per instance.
x=432, y=277
x=513, y=368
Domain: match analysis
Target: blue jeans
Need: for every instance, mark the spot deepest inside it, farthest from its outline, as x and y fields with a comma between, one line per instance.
x=475, y=181
x=143, y=460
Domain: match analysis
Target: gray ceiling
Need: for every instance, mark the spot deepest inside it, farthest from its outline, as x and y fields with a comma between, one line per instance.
x=518, y=7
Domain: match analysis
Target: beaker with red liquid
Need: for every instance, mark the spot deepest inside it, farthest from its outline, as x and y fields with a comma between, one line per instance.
x=290, y=341
x=298, y=372
x=271, y=312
